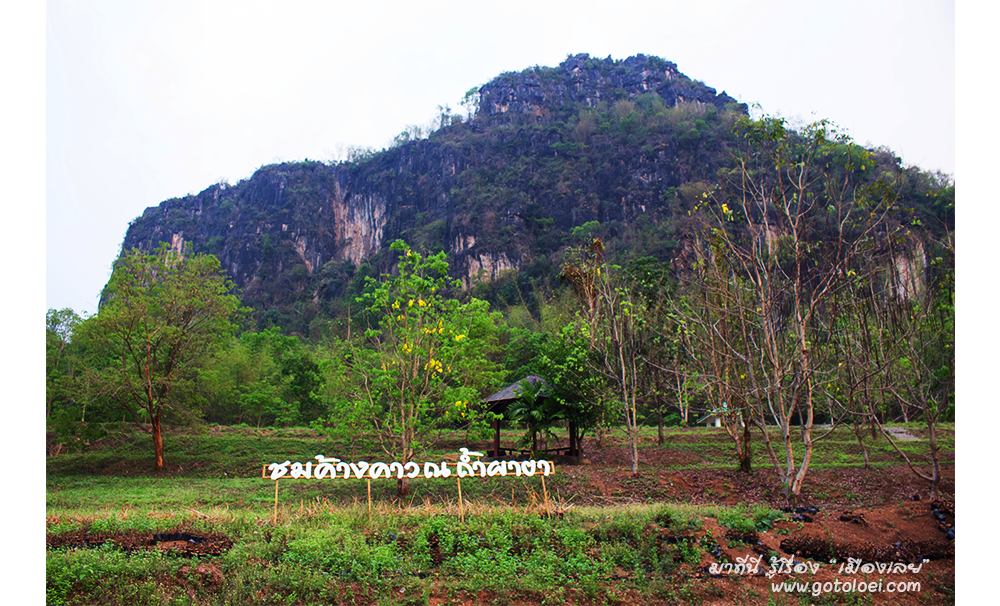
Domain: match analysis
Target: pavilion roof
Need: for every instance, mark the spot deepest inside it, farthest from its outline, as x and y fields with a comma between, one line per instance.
x=512, y=391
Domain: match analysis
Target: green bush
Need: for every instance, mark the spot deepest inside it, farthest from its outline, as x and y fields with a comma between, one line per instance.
x=748, y=519
x=105, y=575
x=344, y=554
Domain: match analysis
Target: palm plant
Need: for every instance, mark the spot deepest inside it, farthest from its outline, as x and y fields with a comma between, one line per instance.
x=536, y=411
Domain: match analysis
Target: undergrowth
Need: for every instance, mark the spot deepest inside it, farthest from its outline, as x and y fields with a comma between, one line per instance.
x=319, y=554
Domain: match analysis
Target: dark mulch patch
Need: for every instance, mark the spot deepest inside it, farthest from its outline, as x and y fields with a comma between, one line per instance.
x=176, y=543
x=817, y=548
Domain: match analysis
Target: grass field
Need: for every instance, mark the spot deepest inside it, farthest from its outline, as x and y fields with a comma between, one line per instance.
x=323, y=545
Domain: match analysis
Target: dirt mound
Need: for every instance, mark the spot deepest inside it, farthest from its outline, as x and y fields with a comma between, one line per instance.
x=906, y=551
x=607, y=480
x=175, y=543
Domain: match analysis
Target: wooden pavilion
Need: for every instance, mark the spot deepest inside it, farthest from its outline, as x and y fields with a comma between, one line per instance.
x=501, y=400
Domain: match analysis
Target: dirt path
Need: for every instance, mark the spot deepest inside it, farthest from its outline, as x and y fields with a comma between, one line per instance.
x=900, y=433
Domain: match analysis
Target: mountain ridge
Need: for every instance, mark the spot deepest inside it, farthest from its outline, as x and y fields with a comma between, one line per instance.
x=623, y=147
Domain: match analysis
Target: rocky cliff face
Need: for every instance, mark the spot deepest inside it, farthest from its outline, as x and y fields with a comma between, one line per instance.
x=584, y=82
x=624, y=147
x=549, y=150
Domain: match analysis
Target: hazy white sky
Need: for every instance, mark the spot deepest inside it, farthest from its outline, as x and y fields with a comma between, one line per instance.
x=147, y=101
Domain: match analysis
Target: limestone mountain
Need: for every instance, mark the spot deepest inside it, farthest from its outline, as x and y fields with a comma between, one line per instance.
x=619, y=148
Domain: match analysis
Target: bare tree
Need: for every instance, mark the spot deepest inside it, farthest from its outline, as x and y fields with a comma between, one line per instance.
x=920, y=341
x=783, y=232
x=720, y=342
x=616, y=318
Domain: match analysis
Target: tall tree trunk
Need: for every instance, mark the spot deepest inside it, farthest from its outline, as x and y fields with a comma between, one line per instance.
x=157, y=441
x=806, y=441
x=659, y=428
x=859, y=433
x=935, y=462
x=635, y=450
x=403, y=483
x=745, y=458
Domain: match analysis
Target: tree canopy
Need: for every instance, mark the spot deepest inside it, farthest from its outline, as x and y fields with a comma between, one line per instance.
x=161, y=317
x=425, y=360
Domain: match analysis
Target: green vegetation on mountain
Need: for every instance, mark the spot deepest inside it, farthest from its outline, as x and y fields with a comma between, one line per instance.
x=613, y=226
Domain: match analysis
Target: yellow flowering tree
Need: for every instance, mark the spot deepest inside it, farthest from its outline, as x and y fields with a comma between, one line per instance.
x=429, y=359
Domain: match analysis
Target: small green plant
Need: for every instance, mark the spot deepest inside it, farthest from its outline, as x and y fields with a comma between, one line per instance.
x=737, y=520
x=689, y=552
x=765, y=517
x=65, y=526
x=749, y=519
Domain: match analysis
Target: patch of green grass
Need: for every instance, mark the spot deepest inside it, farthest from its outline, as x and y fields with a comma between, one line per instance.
x=744, y=518
x=323, y=547
x=315, y=554
x=107, y=573
x=241, y=452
